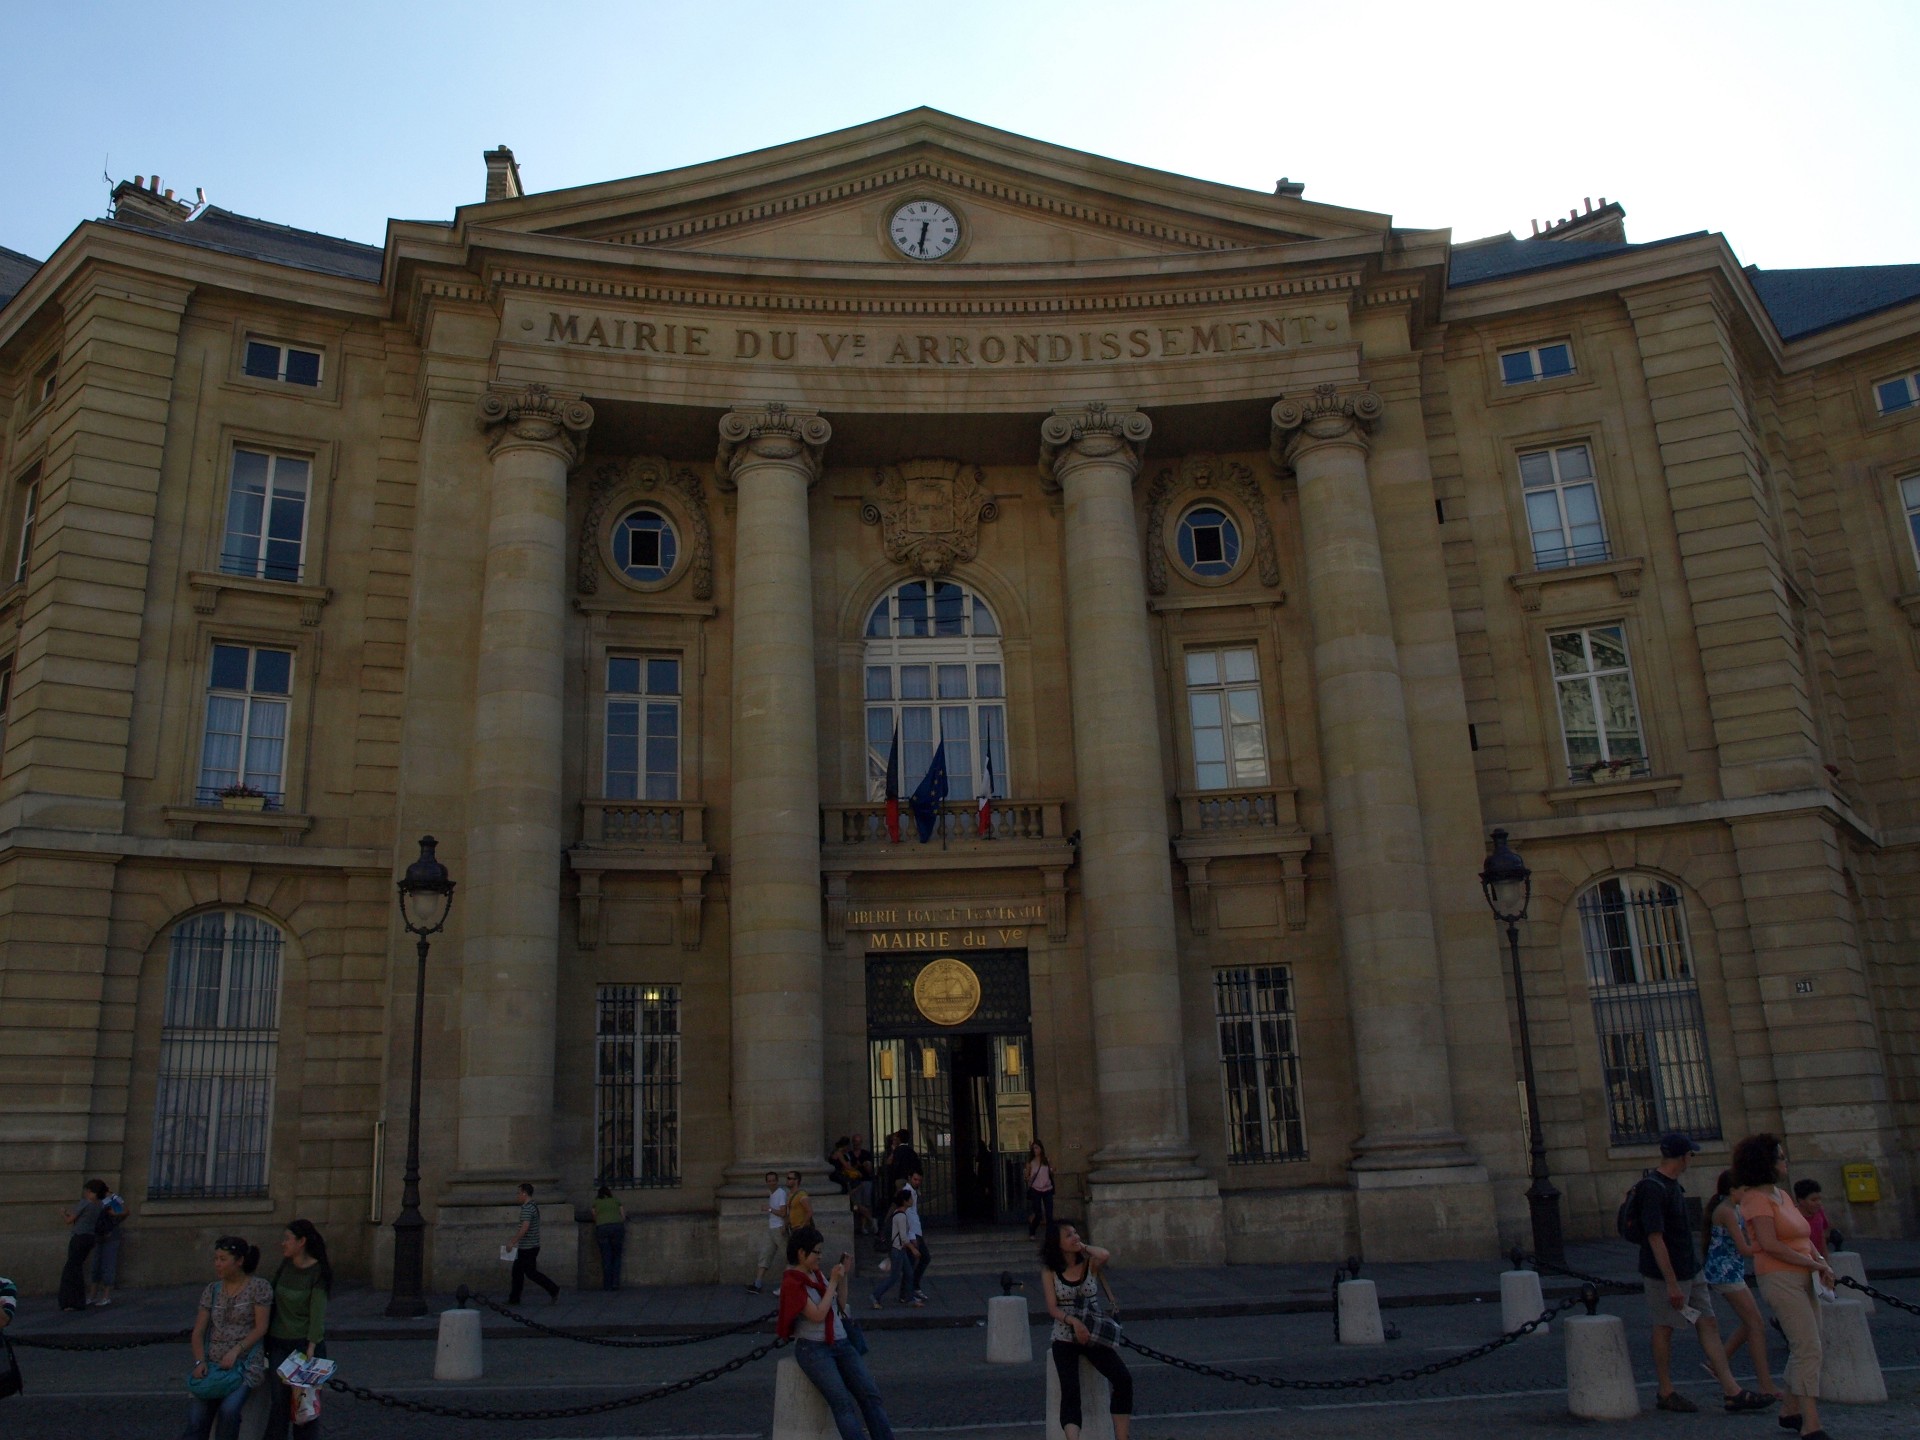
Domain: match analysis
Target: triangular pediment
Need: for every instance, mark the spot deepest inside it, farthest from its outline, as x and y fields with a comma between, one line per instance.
x=1019, y=201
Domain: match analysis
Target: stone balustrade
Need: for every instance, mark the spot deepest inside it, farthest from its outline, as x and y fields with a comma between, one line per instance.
x=642, y=822
x=957, y=823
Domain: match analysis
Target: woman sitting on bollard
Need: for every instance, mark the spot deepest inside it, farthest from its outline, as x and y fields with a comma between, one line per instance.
x=1728, y=1251
x=227, y=1359
x=1784, y=1257
x=1071, y=1282
x=813, y=1313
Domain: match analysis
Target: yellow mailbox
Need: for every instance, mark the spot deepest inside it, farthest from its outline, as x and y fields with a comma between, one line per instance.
x=1863, y=1182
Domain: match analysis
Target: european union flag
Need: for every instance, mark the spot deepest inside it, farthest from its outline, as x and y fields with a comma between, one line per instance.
x=931, y=795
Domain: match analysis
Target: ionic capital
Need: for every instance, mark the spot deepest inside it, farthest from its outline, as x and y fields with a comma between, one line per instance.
x=532, y=415
x=1075, y=434
x=774, y=433
x=1329, y=416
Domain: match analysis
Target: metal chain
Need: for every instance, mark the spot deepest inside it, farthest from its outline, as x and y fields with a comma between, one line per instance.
x=613, y=1344
x=1358, y=1382
x=1600, y=1282
x=38, y=1342
x=1880, y=1295
x=561, y=1412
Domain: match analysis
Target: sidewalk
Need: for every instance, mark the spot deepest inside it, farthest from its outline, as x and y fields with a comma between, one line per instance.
x=956, y=1300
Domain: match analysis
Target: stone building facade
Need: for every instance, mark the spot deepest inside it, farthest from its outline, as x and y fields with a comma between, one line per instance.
x=1252, y=557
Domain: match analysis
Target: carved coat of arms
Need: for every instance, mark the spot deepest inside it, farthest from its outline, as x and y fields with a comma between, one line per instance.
x=929, y=512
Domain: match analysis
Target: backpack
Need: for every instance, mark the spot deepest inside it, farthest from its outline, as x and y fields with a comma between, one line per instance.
x=112, y=1212
x=1627, y=1219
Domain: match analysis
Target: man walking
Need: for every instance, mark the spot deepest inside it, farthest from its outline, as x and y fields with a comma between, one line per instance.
x=916, y=1233
x=774, y=1252
x=1670, y=1271
x=526, y=1251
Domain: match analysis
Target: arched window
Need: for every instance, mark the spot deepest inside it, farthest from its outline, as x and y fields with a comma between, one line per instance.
x=219, y=1044
x=934, y=675
x=1646, y=1011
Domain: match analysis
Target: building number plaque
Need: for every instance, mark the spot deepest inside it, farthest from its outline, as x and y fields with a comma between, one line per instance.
x=947, y=992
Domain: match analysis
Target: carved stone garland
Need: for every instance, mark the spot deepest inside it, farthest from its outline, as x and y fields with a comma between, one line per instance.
x=1202, y=472
x=646, y=474
x=929, y=513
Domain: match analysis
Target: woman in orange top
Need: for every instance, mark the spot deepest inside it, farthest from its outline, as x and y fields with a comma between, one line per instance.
x=1786, y=1261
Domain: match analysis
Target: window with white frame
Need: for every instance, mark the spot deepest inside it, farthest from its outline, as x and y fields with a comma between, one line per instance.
x=288, y=364
x=46, y=382
x=29, y=515
x=1599, y=716
x=1208, y=542
x=266, y=515
x=637, y=1085
x=935, y=675
x=1259, y=1064
x=1646, y=1011
x=1223, y=712
x=243, y=753
x=1910, y=503
x=643, y=728
x=1900, y=393
x=1563, y=507
x=219, y=1045
x=1536, y=362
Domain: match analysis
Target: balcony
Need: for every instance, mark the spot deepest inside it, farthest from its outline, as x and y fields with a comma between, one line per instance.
x=663, y=837
x=642, y=822
x=1236, y=824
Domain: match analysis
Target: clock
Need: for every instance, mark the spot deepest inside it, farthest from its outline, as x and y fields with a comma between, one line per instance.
x=924, y=229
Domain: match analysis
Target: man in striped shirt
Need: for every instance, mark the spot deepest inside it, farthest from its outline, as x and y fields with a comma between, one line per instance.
x=526, y=1247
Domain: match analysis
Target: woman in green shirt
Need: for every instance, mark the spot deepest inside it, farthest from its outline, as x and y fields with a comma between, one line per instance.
x=610, y=1234
x=300, y=1289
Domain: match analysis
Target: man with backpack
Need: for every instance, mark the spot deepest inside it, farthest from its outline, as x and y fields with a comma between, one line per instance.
x=1654, y=1216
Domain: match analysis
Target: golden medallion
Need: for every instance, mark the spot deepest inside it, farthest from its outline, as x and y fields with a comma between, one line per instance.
x=947, y=992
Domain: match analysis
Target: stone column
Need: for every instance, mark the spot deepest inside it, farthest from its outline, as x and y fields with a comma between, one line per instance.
x=1146, y=1195
x=511, y=892
x=1408, y=1146
x=770, y=457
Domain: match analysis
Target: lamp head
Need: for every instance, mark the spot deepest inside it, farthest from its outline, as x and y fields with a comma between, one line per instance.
x=426, y=891
x=1506, y=882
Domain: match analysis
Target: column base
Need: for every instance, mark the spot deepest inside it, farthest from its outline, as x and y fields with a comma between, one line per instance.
x=1165, y=1221
x=478, y=1214
x=740, y=1229
x=1442, y=1212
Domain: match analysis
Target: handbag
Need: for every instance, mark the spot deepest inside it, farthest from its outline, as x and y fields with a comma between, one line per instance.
x=220, y=1382
x=10, y=1381
x=1102, y=1329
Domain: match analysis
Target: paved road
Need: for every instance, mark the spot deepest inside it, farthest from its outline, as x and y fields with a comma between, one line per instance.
x=937, y=1384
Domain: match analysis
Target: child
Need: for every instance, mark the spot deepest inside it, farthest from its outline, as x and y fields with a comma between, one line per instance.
x=1806, y=1198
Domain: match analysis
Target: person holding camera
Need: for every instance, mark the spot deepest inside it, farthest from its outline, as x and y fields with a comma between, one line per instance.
x=813, y=1314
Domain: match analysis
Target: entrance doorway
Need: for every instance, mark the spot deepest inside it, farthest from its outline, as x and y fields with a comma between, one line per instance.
x=963, y=1091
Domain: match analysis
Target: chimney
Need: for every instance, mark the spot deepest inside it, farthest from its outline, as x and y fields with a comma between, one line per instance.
x=1290, y=189
x=503, y=176
x=140, y=201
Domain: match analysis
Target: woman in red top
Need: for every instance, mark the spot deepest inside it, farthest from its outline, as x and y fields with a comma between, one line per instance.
x=813, y=1314
x=1786, y=1261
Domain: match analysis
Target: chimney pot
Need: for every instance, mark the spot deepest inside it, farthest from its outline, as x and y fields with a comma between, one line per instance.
x=1573, y=214
x=1536, y=227
x=139, y=182
x=1603, y=202
x=169, y=194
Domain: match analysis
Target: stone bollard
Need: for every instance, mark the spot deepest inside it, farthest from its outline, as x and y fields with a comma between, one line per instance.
x=1009, y=1336
x=799, y=1409
x=1521, y=1300
x=456, y=1356
x=1849, y=1365
x=1599, y=1369
x=1096, y=1404
x=1360, y=1314
x=1849, y=1264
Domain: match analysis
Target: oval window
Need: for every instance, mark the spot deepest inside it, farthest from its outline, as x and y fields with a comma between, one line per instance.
x=1209, y=542
x=644, y=546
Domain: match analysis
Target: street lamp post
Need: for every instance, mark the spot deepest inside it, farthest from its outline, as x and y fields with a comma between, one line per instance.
x=1508, y=886
x=426, y=896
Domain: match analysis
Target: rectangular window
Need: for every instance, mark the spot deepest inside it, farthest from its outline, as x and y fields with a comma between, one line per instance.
x=637, y=1085
x=46, y=382
x=6, y=703
x=1259, y=1064
x=1599, y=717
x=244, y=752
x=1563, y=507
x=1900, y=393
x=288, y=364
x=1538, y=362
x=1223, y=707
x=219, y=1044
x=266, y=516
x=29, y=514
x=961, y=704
x=1910, y=502
x=643, y=728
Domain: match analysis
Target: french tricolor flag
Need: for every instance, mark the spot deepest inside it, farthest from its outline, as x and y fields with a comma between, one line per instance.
x=893, y=786
x=986, y=789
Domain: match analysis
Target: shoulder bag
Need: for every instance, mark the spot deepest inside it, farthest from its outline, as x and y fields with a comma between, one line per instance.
x=220, y=1382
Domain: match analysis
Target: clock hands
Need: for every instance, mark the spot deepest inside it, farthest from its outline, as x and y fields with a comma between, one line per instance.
x=922, y=246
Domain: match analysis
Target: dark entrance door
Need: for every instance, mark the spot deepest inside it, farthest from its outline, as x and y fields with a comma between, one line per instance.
x=974, y=1146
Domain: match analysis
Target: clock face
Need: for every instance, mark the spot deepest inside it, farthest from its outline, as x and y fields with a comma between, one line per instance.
x=924, y=229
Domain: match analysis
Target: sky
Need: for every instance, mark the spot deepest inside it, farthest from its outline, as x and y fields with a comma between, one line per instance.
x=1781, y=126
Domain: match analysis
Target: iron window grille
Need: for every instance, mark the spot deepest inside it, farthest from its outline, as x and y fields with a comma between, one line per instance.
x=637, y=1086
x=1655, y=1065
x=219, y=1049
x=1259, y=1064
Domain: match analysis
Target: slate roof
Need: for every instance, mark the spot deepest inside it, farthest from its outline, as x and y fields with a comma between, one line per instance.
x=217, y=229
x=15, y=270
x=1803, y=302
x=1498, y=259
